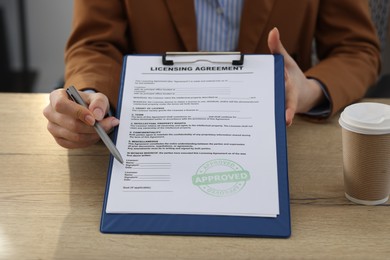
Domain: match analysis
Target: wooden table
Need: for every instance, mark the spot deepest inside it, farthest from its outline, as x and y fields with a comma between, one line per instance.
x=51, y=201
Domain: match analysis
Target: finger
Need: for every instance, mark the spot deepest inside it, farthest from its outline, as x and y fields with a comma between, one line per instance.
x=291, y=99
x=289, y=117
x=62, y=104
x=72, y=145
x=67, y=122
x=276, y=47
x=290, y=111
x=274, y=43
x=69, y=139
x=98, y=105
x=75, y=125
x=109, y=123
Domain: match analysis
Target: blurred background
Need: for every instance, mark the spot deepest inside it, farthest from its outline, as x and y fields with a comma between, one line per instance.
x=33, y=35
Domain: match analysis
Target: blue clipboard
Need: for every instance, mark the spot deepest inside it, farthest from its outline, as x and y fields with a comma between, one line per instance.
x=215, y=225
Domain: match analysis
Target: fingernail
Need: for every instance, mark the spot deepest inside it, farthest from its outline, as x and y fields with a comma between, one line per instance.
x=90, y=120
x=114, y=122
x=98, y=113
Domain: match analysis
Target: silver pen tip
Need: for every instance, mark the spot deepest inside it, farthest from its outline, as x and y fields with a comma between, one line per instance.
x=119, y=159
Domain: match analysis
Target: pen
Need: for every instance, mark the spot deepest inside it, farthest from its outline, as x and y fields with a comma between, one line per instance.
x=75, y=96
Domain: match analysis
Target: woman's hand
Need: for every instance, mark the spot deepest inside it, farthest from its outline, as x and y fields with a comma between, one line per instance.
x=302, y=94
x=72, y=124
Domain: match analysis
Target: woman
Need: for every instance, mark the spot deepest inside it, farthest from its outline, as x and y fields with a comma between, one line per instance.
x=104, y=31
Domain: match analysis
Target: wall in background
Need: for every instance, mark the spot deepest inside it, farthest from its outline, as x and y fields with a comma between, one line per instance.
x=48, y=23
x=48, y=26
x=386, y=60
x=386, y=57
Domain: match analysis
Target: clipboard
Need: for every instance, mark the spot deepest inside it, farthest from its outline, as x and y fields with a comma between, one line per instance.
x=214, y=225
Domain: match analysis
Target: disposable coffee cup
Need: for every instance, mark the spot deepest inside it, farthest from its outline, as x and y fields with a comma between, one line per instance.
x=366, y=152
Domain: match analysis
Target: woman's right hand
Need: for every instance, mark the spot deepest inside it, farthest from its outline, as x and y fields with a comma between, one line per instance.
x=72, y=124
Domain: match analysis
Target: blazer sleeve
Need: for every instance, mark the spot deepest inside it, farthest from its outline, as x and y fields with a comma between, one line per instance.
x=348, y=50
x=95, y=48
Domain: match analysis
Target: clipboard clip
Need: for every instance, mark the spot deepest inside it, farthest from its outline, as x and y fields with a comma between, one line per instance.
x=167, y=62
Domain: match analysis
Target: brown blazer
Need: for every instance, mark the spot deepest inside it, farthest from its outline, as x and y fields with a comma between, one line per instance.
x=346, y=41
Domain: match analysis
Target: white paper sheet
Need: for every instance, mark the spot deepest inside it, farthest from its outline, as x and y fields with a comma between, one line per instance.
x=197, y=138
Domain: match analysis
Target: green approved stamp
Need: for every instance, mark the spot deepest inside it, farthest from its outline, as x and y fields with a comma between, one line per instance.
x=220, y=177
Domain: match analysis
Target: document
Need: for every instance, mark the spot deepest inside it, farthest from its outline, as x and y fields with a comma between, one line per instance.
x=197, y=137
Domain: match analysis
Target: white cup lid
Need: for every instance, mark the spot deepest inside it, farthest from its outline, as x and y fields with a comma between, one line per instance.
x=366, y=118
